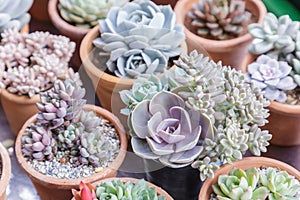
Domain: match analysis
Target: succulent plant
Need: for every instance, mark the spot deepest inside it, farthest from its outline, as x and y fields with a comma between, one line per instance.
x=219, y=19
x=14, y=15
x=86, y=13
x=272, y=77
x=31, y=63
x=140, y=38
x=240, y=185
x=162, y=129
x=118, y=190
x=86, y=192
x=207, y=168
x=280, y=184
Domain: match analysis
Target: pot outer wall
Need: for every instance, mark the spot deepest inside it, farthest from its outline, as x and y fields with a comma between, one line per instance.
x=39, y=10
x=166, y=2
x=284, y=119
x=6, y=172
x=181, y=183
x=230, y=52
x=245, y=164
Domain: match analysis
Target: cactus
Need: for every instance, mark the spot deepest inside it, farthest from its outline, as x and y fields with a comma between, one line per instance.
x=86, y=13
x=219, y=19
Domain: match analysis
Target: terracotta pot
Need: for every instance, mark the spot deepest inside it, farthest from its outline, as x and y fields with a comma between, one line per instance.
x=6, y=171
x=25, y=29
x=284, y=119
x=76, y=34
x=18, y=109
x=231, y=51
x=39, y=10
x=244, y=164
x=50, y=188
x=159, y=190
x=166, y=2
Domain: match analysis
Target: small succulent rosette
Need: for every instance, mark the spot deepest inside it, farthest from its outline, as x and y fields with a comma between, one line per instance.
x=140, y=38
x=14, y=15
x=201, y=114
x=256, y=183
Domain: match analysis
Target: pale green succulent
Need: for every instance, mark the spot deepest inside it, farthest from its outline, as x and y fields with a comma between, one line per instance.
x=86, y=13
x=117, y=190
x=281, y=185
x=240, y=185
x=206, y=167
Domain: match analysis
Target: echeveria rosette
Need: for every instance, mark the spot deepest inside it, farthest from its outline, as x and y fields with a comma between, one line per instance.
x=162, y=129
x=272, y=77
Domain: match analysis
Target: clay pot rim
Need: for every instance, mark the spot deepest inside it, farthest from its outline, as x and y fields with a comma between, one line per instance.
x=58, y=21
x=25, y=29
x=6, y=167
x=214, y=44
x=20, y=99
x=73, y=183
x=158, y=189
x=249, y=162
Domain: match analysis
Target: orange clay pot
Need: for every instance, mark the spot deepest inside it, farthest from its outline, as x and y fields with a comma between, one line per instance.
x=76, y=34
x=39, y=10
x=159, y=190
x=25, y=29
x=172, y=3
x=244, y=164
x=18, y=109
x=284, y=119
x=230, y=52
x=6, y=171
x=50, y=188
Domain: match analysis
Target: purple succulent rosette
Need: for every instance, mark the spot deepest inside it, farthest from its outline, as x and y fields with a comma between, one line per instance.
x=272, y=77
x=163, y=129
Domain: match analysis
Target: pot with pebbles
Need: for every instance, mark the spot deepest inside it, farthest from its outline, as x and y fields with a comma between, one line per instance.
x=253, y=178
x=75, y=18
x=69, y=141
x=120, y=188
x=137, y=39
x=275, y=67
x=30, y=63
x=219, y=26
x=190, y=121
x=5, y=171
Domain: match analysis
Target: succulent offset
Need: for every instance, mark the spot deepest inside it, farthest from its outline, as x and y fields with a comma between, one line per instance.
x=139, y=37
x=31, y=63
x=219, y=19
x=86, y=13
x=63, y=127
x=279, y=39
x=86, y=192
x=272, y=77
x=14, y=15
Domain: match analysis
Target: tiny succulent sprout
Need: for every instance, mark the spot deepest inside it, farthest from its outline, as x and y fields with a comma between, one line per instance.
x=14, y=15
x=240, y=185
x=219, y=19
x=140, y=38
x=86, y=192
x=163, y=129
x=86, y=13
x=280, y=184
x=272, y=77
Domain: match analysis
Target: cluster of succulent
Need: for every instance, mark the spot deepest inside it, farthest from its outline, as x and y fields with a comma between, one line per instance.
x=279, y=39
x=86, y=13
x=263, y=183
x=198, y=93
x=14, y=15
x=31, y=63
x=139, y=38
x=219, y=19
x=63, y=126
x=117, y=190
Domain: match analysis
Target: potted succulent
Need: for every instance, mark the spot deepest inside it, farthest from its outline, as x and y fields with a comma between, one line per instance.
x=275, y=67
x=29, y=63
x=136, y=39
x=5, y=171
x=253, y=178
x=69, y=141
x=192, y=120
x=219, y=26
x=15, y=15
x=74, y=18
x=120, y=188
